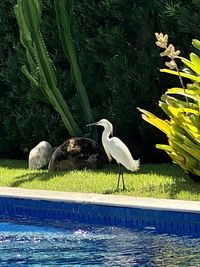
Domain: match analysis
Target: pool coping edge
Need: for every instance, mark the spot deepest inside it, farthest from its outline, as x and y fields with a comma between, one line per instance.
x=103, y=199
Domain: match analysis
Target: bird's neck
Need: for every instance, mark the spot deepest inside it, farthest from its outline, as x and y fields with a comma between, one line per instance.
x=105, y=135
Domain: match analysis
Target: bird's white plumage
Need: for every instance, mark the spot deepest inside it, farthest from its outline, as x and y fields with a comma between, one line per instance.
x=116, y=149
x=120, y=152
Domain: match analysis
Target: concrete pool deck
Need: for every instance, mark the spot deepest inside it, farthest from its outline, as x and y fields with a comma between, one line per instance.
x=103, y=199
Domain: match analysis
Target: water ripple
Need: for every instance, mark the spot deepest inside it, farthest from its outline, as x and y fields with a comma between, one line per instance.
x=70, y=244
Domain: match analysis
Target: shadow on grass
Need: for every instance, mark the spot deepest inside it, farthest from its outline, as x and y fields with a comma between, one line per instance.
x=40, y=176
x=116, y=191
x=183, y=186
x=160, y=169
x=165, y=169
x=181, y=182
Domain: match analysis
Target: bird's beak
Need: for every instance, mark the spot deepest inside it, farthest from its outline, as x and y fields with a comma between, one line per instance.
x=91, y=124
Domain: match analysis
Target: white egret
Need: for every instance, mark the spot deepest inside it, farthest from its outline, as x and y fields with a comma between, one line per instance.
x=116, y=149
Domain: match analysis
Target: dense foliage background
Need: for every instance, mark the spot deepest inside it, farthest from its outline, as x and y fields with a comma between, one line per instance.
x=120, y=65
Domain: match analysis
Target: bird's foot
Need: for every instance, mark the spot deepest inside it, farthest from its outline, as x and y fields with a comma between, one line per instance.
x=117, y=189
x=120, y=190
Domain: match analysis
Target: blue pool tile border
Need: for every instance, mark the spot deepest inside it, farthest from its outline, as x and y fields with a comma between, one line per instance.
x=161, y=220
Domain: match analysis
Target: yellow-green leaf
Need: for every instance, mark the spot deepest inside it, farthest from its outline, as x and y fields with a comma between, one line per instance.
x=193, y=65
x=183, y=74
x=196, y=43
x=152, y=119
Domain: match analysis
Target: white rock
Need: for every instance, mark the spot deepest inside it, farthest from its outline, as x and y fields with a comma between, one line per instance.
x=40, y=155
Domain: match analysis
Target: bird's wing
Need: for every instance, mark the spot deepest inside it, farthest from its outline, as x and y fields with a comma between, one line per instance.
x=120, y=152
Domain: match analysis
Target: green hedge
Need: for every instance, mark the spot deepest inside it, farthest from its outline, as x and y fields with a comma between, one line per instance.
x=120, y=66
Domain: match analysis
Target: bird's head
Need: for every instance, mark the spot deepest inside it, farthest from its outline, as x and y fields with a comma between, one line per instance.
x=105, y=123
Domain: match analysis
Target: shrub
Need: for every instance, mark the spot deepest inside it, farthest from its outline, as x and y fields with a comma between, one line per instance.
x=183, y=109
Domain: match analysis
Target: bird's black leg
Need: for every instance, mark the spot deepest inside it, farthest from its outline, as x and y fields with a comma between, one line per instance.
x=121, y=174
x=120, y=171
x=123, y=188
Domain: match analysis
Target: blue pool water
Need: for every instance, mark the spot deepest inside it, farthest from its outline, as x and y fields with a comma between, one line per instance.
x=66, y=244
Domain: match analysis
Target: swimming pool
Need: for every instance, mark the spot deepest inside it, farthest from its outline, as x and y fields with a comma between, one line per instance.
x=53, y=243
x=47, y=228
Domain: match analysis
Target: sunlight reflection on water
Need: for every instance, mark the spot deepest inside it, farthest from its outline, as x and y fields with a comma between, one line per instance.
x=76, y=244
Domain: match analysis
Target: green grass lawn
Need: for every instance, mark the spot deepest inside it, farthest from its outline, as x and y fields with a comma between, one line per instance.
x=152, y=180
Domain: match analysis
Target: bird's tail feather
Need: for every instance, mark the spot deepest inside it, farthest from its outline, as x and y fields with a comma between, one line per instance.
x=136, y=165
